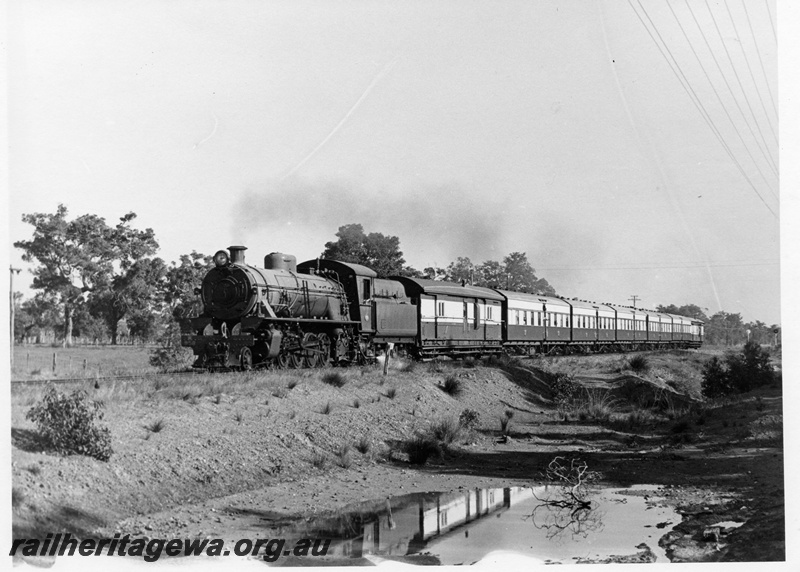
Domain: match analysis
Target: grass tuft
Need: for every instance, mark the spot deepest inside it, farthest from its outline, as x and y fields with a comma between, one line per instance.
x=319, y=460
x=363, y=445
x=452, y=386
x=638, y=364
x=327, y=409
x=334, y=378
x=391, y=392
x=156, y=426
x=343, y=457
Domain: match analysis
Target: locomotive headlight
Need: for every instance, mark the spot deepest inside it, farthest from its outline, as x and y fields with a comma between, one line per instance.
x=221, y=258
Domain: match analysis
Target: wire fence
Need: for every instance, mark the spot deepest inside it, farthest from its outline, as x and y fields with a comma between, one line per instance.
x=37, y=362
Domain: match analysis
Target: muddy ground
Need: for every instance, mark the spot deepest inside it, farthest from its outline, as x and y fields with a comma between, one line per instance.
x=193, y=454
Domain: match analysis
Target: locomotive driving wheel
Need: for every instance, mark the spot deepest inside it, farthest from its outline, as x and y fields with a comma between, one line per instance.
x=324, y=345
x=246, y=359
x=282, y=361
x=296, y=359
x=310, y=350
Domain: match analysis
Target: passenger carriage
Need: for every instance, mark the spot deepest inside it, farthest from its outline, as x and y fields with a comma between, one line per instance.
x=453, y=319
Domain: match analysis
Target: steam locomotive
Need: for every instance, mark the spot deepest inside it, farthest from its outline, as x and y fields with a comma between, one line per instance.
x=326, y=311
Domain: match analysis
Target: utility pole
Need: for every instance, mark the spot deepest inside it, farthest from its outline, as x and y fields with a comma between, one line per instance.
x=634, y=297
x=11, y=300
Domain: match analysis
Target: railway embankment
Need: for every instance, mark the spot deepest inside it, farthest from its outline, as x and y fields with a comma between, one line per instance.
x=193, y=454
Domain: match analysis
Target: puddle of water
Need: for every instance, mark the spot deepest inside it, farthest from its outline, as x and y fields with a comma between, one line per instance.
x=462, y=527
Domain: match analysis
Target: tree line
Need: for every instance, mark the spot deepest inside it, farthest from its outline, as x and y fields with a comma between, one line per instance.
x=102, y=283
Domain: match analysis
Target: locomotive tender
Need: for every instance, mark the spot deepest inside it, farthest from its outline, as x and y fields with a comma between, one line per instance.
x=322, y=311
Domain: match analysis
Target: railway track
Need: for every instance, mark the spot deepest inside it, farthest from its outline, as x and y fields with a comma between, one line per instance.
x=141, y=376
x=102, y=378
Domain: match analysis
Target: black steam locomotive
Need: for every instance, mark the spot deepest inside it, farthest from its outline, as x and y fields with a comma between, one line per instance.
x=325, y=311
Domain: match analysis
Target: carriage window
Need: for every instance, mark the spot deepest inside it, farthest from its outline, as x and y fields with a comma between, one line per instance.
x=367, y=291
x=441, y=309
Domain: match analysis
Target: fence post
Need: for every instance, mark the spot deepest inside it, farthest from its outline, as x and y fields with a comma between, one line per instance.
x=28, y=361
x=54, y=361
x=84, y=364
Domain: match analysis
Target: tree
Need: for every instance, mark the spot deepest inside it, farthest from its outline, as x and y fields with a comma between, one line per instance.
x=461, y=270
x=36, y=316
x=725, y=328
x=490, y=274
x=176, y=290
x=434, y=273
x=521, y=277
x=688, y=310
x=81, y=256
x=133, y=290
x=374, y=250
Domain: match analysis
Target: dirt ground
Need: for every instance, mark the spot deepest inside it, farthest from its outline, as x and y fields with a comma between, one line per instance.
x=192, y=454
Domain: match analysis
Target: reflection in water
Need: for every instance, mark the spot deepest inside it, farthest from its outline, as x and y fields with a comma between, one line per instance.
x=562, y=512
x=463, y=526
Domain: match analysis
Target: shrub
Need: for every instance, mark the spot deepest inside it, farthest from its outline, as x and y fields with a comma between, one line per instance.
x=469, y=362
x=327, y=409
x=334, y=378
x=68, y=424
x=391, y=393
x=170, y=355
x=446, y=431
x=468, y=419
x=452, y=386
x=420, y=448
x=638, y=364
x=563, y=386
x=505, y=421
x=740, y=373
x=750, y=368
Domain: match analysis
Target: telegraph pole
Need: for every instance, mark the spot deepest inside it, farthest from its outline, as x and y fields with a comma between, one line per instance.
x=11, y=300
x=634, y=297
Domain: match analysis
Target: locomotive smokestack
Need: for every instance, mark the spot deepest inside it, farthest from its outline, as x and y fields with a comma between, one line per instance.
x=237, y=254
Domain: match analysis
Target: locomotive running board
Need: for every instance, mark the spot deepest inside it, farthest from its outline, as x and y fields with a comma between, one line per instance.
x=309, y=321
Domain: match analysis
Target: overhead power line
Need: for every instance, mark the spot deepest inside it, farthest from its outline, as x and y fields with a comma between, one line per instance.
x=713, y=87
x=651, y=266
x=674, y=65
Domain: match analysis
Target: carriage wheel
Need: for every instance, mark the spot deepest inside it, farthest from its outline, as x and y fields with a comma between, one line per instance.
x=310, y=350
x=246, y=359
x=324, y=344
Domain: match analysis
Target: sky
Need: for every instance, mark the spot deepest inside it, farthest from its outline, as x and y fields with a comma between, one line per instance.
x=628, y=148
